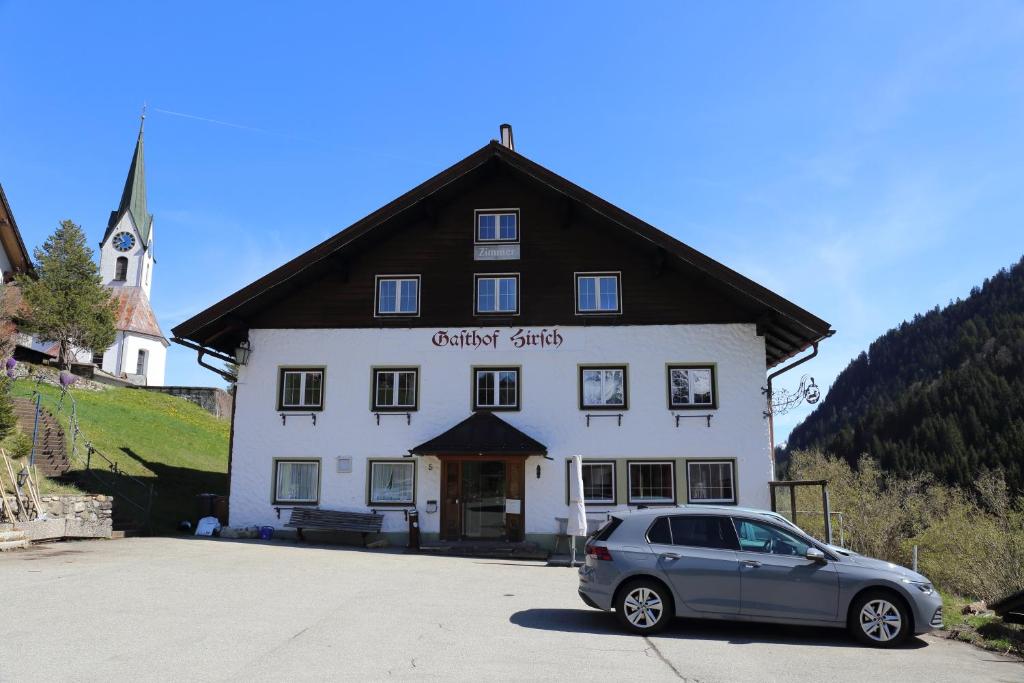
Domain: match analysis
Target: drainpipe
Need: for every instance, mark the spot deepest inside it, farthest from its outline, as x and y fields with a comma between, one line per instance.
x=207, y=352
x=768, y=393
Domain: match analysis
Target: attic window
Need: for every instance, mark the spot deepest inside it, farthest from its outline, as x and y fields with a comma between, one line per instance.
x=598, y=293
x=398, y=295
x=497, y=225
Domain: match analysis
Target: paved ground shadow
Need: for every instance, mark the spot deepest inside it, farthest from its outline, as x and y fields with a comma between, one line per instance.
x=736, y=632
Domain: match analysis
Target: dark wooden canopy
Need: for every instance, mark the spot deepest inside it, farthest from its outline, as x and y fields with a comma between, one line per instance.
x=482, y=433
x=787, y=328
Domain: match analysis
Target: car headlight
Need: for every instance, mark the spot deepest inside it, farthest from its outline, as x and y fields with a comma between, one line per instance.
x=922, y=586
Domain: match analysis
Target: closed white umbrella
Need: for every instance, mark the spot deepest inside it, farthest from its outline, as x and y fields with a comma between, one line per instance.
x=577, y=525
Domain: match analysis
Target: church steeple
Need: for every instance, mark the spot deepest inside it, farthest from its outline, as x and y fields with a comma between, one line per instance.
x=133, y=198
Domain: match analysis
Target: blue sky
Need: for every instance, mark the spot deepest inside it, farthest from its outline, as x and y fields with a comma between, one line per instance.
x=862, y=159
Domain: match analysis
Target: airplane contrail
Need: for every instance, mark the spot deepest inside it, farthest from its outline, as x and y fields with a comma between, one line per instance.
x=209, y=120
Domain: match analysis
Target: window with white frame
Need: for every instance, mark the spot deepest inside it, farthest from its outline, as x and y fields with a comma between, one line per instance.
x=710, y=481
x=598, y=482
x=598, y=293
x=497, y=225
x=395, y=388
x=497, y=294
x=301, y=389
x=392, y=482
x=398, y=295
x=496, y=388
x=603, y=388
x=652, y=482
x=691, y=386
x=297, y=481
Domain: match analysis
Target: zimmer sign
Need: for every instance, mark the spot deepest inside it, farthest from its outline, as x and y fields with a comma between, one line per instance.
x=498, y=339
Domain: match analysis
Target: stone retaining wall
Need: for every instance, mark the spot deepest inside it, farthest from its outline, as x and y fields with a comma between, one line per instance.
x=88, y=516
x=211, y=399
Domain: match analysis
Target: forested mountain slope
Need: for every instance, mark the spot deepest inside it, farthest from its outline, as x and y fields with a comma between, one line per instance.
x=943, y=393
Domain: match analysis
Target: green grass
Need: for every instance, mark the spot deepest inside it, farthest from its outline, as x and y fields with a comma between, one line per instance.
x=175, y=445
x=989, y=632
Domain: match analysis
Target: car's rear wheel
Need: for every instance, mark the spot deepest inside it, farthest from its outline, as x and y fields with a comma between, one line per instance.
x=644, y=606
x=879, y=619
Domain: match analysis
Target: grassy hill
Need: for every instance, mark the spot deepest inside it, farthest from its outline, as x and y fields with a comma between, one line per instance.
x=175, y=445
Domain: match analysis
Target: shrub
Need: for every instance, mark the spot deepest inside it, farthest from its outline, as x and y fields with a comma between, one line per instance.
x=970, y=542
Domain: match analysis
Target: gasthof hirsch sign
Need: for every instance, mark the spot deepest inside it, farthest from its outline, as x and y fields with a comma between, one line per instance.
x=511, y=338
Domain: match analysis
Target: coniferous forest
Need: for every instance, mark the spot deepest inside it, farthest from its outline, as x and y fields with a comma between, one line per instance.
x=943, y=393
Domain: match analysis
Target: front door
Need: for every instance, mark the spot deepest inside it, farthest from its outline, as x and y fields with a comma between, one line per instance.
x=776, y=580
x=482, y=499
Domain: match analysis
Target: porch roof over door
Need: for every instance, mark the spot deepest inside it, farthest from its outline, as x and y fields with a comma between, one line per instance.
x=482, y=433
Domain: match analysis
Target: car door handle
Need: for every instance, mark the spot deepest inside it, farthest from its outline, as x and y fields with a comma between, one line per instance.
x=670, y=556
x=751, y=563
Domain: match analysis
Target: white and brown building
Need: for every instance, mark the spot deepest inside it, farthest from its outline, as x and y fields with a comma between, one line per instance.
x=450, y=351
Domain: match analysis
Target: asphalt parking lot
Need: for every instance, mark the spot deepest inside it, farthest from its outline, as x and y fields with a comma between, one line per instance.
x=164, y=608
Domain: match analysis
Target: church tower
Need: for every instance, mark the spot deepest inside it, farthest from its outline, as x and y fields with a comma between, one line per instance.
x=139, y=353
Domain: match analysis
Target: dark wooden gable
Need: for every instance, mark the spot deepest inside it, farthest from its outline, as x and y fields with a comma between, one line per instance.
x=564, y=229
x=554, y=246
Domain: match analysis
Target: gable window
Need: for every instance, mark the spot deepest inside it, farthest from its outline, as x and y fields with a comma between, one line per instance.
x=497, y=225
x=497, y=293
x=496, y=388
x=603, y=387
x=297, y=481
x=398, y=295
x=691, y=386
x=710, y=481
x=395, y=388
x=121, y=268
x=392, y=482
x=598, y=482
x=301, y=389
x=598, y=293
x=652, y=482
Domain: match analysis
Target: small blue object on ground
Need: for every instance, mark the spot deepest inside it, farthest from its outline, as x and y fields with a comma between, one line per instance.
x=266, y=533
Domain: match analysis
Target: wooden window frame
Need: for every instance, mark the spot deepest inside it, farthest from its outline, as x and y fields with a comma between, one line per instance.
x=498, y=368
x=712, y=461
x=477, y=277
x=713, y=367
x=282, y=370
x=611, y=366
x=497, y=213
x=319, y=481
x=411, y=462
x=615, y=481
x=377, y=279
x=378, y=408
x=629, y=482
x=597, y=274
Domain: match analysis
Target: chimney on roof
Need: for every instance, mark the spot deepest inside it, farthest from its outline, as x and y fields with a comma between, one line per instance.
x=506, y=136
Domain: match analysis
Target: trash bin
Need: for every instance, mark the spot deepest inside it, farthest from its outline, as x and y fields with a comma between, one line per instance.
x=414, y=529
x=266, y=533
x=205, y=503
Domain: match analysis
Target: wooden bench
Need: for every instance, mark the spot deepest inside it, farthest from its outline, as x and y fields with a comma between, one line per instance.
x=334, y=520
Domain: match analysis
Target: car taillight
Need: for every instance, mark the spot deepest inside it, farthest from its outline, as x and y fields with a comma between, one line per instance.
x=599, y=552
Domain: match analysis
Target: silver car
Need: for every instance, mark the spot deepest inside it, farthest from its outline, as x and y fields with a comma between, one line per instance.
x=748, y=565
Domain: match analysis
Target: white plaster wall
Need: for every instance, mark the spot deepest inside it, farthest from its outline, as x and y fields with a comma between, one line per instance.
x=550, y=412
x=126, y=348
x=5, y=264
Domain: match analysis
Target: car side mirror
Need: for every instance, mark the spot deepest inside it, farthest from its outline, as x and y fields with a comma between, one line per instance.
x=814, y=555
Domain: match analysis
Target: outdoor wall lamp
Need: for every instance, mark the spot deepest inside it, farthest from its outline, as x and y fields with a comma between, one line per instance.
x=242, y=352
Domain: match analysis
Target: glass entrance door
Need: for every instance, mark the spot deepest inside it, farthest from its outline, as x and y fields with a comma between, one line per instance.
x=483, y=499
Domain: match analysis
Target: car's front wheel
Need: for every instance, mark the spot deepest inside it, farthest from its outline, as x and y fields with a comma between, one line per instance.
x=644, y=606
x=879, y=619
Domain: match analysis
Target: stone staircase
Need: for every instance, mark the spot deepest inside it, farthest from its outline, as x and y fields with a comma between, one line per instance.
x=13, y=540
x=51, y=451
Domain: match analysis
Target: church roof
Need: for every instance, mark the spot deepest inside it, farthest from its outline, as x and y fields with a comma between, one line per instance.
x=10, y=238
x=134, y=313
x=133, y=198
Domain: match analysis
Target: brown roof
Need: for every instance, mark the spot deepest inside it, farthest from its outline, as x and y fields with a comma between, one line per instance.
x=482, y=433
x=10, y=238
x=788, y=329
x=134, y=313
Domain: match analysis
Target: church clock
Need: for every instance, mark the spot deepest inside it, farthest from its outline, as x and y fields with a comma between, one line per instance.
x=124, y=241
